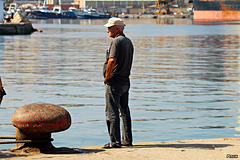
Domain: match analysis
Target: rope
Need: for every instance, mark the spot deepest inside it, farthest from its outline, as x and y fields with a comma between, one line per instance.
x=5, y=137
x=17, y=141
x=24, y=141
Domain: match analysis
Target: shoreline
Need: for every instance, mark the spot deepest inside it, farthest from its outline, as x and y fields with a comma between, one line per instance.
x=153, y=16
x=207, y=149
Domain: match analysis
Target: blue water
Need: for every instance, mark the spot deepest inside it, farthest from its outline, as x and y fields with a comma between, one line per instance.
x=185, y=78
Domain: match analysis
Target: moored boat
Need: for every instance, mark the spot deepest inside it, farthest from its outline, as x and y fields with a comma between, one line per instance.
x=89, y=13
x=95, y=14
x=57, y=12
x=216, y=10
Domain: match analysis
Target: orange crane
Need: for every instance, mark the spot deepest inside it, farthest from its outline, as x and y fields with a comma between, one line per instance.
x=162, y=7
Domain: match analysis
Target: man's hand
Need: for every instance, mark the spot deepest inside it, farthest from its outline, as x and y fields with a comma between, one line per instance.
x=110, y=66
x=107, y=78
x=2, y=91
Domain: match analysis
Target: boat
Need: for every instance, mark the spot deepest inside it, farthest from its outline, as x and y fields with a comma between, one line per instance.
x=56, y=12
x=78, y=12
x=43, y=12
x=95, y=14
x=89, y=13
x=12, y=9
x=216, y=10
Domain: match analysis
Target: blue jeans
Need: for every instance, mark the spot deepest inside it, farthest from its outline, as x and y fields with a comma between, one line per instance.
x=116, y=99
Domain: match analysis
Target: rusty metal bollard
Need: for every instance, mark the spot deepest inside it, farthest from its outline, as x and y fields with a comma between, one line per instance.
x=36, y=122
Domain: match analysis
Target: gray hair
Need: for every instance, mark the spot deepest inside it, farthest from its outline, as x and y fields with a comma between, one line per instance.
x=121, y=28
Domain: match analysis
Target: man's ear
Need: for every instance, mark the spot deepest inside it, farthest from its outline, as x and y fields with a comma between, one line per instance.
x=117, y=28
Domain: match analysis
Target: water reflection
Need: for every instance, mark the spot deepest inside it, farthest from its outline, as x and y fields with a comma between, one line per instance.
x=1, y=47
x=238, y=128
x=190, y=74
x=207, y=22
x=167, y=21
x=176, y=21
x=181, y=80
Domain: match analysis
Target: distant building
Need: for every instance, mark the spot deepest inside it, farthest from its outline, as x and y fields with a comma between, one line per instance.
x=101, y=3
x=121, y=3
x=114, y=3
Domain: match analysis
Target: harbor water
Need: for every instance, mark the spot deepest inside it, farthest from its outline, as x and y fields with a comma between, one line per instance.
x=184, y=81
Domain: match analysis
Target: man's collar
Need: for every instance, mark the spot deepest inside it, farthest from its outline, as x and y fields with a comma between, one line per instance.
x=120, y=34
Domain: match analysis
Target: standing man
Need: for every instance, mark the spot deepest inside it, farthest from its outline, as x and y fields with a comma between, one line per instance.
x=116, y=72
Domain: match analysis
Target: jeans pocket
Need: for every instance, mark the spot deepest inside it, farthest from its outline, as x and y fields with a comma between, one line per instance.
x=116, y=89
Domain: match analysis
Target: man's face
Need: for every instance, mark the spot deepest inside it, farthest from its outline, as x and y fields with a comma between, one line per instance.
x=112, y=31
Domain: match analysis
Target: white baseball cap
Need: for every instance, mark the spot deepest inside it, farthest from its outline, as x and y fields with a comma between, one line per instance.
x=115, y=22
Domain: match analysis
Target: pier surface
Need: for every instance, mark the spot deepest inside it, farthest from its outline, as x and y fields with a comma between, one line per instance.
x=207, y=149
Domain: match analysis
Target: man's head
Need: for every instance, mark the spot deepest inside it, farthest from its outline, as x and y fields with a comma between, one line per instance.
x=115, y=26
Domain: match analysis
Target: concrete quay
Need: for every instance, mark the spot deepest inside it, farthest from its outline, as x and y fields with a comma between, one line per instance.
x=16, y=28
x=16, y=25
x=152, y=16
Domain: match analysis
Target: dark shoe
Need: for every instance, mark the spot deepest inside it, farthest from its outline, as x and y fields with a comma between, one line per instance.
x=108, y=146
x=127, y=144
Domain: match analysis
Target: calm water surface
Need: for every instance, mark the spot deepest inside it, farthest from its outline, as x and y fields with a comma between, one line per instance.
x=185, y=78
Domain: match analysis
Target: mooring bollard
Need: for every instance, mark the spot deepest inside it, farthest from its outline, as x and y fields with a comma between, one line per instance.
x=36, y=122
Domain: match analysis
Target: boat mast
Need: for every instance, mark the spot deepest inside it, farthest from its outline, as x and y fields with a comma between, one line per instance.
x=60, y=4
x=44, y=3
